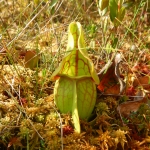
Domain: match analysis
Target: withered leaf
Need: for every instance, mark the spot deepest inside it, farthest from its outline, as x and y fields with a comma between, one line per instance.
x=110, y=77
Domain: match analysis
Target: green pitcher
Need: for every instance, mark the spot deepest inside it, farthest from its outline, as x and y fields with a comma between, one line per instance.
x=75, y=90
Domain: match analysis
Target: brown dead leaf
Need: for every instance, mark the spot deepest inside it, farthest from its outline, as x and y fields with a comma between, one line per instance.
x=31, y=59
x=142, y=81
x=114, y=89
x=141, y=69
x=126, y=108
x=110, y=80
x=107, y=77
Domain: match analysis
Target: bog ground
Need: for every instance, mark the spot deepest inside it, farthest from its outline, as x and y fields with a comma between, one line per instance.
x=33, y=42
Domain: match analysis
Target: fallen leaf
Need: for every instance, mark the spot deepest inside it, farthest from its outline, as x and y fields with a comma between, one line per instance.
x=141, y=68
x=31, y=59
x=143, y=81
x=107, y=77
x=110, y=77
x=126, y=108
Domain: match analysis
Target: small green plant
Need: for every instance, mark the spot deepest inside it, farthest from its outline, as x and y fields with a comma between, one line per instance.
x=116, y=9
